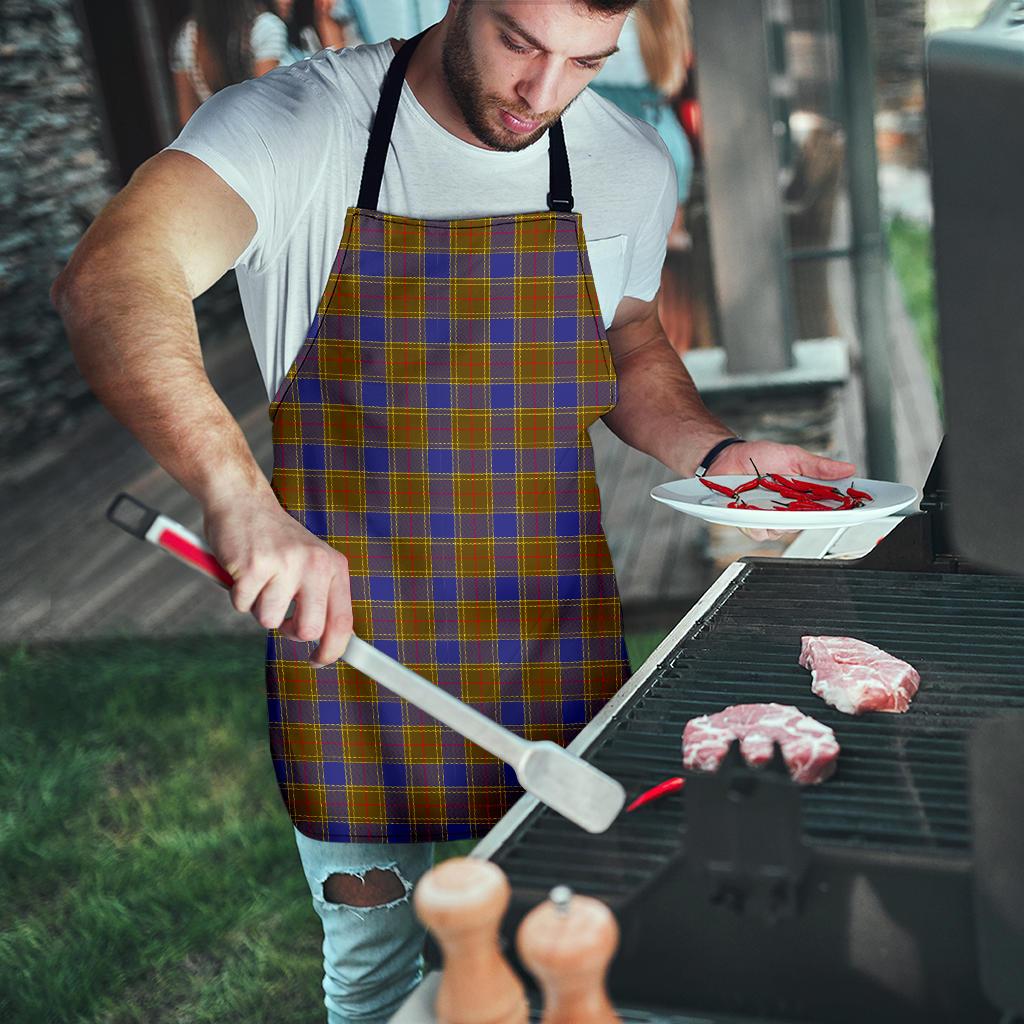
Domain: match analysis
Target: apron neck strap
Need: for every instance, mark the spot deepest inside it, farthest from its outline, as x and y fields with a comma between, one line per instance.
x=559, y=197
x=560, y=185
x=383, y=122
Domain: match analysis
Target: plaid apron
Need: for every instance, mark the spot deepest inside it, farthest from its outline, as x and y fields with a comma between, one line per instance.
x=433, y=428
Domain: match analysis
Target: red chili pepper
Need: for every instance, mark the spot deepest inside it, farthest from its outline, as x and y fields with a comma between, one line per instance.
x=750, y=485
x=807, y=505
x=717, y=487
x=661, y=789
x=809, y=487
x=862, y=495
x=786, y=492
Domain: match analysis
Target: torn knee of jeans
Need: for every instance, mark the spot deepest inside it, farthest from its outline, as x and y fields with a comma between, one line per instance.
x=371, y=889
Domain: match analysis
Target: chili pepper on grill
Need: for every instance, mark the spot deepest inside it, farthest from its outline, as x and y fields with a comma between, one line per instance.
x=660, y=790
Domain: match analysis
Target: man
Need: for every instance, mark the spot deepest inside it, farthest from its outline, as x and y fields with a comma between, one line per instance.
x=430, y=412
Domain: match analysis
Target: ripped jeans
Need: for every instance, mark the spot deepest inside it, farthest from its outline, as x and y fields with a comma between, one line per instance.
x=373, y=955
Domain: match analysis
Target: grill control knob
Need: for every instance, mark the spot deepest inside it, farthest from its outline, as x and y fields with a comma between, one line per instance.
x=567, y=943
x=462, y=901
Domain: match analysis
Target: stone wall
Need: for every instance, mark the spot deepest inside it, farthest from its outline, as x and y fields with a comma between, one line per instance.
x=54, y=178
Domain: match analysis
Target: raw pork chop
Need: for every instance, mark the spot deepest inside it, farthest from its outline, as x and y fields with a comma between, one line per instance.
x=855, y=677
x=808, y=747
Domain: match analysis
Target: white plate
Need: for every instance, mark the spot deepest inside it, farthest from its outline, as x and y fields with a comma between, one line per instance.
x=693, y=498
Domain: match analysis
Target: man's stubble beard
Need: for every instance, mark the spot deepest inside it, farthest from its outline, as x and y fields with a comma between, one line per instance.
x=466, y=86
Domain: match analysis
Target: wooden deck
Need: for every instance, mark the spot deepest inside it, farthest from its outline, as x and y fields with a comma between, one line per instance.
x=72, y=573
x=69, y=573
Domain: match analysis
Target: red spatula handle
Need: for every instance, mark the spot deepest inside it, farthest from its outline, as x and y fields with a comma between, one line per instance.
x=147, y=524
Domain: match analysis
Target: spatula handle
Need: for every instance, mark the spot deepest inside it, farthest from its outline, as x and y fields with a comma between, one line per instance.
x=138, y=519
x=147, y=524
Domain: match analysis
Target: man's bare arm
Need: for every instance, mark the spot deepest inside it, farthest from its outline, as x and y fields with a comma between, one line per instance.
x=660, y=412
x=126, y=300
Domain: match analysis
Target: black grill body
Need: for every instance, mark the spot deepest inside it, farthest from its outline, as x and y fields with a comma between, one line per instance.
x=847, y=901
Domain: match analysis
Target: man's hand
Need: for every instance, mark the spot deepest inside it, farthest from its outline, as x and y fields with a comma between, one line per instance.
x=275, y=560
x=771, y=457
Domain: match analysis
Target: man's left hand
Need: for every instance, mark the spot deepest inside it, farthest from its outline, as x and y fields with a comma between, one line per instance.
x=771, y=457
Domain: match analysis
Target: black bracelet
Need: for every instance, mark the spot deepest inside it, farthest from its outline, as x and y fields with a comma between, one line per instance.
x=705, y=463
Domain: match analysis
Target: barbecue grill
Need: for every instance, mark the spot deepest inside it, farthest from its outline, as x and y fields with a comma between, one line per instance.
x=895, y=890
x=746, y=896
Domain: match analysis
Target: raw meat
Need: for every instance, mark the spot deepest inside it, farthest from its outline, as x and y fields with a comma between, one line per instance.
x=855, y=677
x=808, y=747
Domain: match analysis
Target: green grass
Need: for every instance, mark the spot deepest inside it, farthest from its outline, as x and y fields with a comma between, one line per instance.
x=148, y=872
x=642, y=645
x=148, y=868
x=910, y=248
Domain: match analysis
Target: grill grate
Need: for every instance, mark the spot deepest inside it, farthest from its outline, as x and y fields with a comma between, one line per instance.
x=901, y=785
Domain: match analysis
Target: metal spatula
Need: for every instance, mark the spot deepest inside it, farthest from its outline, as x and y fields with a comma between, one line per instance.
x=575, y=789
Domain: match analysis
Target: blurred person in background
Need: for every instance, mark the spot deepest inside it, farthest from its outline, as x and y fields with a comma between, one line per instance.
x=314, y=25
x=645, y=79
x=647, y=75
x=221, y=43
x=376, y=20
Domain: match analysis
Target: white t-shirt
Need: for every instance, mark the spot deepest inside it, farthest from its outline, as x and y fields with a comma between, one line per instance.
x=292, y=144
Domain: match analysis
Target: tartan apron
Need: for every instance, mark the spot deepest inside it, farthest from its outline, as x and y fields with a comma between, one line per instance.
x=433, y=428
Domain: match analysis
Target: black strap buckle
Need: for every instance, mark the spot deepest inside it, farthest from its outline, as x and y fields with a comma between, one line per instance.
x=705, y=463
x=560, y=205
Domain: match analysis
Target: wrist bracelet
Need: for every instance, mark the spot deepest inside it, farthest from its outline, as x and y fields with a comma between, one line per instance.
x=705, y=463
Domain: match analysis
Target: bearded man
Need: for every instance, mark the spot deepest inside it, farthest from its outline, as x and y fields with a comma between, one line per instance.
x=449, y=253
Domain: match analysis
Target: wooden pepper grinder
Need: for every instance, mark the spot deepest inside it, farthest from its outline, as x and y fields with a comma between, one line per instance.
x=567, y=943
x=462, y=901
